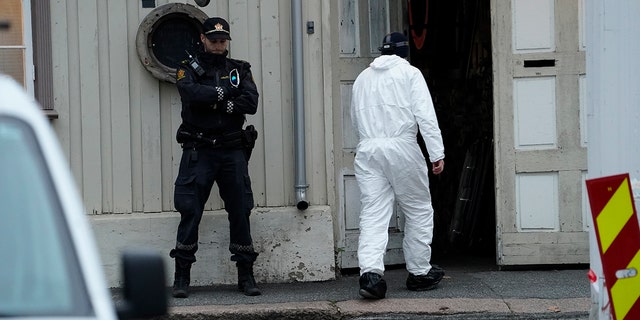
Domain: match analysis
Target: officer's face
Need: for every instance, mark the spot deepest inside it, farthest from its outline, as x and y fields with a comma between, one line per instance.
x=216, y=46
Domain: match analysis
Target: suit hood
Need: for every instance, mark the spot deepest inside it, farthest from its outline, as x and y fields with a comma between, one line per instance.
x=387, y=62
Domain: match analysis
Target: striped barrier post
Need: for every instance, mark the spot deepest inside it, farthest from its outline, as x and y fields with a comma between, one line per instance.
x=618, y=235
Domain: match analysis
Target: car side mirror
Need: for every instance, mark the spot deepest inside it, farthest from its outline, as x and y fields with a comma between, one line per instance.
x=145, y=293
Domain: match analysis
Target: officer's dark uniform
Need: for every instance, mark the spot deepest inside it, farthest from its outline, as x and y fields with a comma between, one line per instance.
x=215, y=148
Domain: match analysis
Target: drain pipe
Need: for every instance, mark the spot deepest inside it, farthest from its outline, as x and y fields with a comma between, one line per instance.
x=298, y=107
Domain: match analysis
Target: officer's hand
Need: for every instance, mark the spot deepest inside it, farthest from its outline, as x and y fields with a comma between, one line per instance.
x=222, y=93
x=227, y=107
x=226, y=93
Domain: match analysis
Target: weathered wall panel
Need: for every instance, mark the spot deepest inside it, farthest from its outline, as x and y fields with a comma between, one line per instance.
x=117, y=122
x=315, y=112
x=273, y=112
x=117, y=126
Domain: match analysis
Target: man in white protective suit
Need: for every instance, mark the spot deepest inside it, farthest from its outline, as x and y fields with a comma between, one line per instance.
x=390, y=102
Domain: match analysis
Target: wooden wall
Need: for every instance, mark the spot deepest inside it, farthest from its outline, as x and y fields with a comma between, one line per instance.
x=117, y=122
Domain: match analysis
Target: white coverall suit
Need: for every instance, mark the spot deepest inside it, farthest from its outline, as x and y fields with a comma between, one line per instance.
x=390, y=100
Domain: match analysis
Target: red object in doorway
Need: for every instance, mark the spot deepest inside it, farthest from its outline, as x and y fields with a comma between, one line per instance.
x=419, y=40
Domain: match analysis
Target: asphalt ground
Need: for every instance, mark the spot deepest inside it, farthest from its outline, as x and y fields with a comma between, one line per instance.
x=471, y=289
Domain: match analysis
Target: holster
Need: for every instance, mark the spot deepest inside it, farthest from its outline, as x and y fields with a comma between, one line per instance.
x=249, y=137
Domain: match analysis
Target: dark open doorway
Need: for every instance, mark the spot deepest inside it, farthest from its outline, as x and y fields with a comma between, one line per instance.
x=451, y=45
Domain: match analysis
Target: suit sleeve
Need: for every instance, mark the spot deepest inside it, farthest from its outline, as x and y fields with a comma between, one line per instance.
x=426, y=117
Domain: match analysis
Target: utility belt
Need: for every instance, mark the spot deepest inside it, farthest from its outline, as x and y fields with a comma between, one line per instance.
x=242, y=139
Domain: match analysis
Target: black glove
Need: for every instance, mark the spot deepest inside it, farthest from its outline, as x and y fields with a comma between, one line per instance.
x=227, y=107
x=222, y=93
x=225, y=93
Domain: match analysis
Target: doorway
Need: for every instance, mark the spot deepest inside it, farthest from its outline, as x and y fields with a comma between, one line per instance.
x=451, y=44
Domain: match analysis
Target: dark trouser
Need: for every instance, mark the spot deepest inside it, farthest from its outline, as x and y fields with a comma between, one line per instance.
x=199, y=169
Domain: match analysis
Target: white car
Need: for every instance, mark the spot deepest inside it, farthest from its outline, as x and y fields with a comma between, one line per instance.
x=49, y=262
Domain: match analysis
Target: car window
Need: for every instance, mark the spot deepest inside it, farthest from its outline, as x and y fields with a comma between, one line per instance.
x=39, y=271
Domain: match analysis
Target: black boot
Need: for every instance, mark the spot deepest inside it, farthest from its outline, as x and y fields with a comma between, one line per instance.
x=372, y=286
x=182, y=277
x=425, y=282
x=246, y=281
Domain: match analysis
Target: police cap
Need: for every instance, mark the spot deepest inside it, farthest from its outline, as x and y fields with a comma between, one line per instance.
x=216, y=28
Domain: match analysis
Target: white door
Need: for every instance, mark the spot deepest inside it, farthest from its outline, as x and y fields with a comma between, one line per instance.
x=360, y=26
x=540, y=144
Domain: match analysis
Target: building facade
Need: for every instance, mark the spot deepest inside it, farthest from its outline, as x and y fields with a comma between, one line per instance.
x=117, y=120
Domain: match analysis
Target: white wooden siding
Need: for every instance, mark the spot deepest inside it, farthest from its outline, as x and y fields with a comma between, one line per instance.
x=117, y=122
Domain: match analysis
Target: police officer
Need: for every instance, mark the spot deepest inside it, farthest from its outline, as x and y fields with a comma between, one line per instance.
x=217, y=92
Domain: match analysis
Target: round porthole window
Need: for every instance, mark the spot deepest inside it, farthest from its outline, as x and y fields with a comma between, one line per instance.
x=166, y=36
